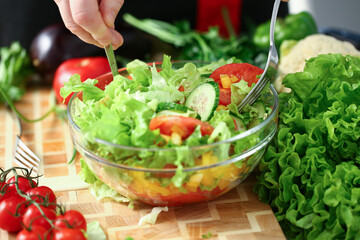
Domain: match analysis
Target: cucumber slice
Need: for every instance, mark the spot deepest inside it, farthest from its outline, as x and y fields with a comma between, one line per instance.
x=254, y=122
x=171, y=106
x=240, y=124
x=170, y=109
x=260, y=106
x=204, y=99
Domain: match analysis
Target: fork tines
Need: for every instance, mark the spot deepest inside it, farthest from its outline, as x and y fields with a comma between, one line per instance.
x=24, y=157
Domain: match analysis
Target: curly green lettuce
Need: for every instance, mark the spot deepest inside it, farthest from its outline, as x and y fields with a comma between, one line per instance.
x=310, y=174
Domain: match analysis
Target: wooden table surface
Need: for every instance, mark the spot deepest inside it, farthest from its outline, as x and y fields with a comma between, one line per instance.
x=236, y=215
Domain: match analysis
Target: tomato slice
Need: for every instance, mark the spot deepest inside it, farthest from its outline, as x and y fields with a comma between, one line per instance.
x=184, y=126
x=245, y=71
x=225, y=96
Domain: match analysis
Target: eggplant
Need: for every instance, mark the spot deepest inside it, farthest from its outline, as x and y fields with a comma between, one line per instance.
x=55, y=44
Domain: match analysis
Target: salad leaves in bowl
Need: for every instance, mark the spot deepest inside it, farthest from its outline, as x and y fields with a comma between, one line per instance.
x=169, y=133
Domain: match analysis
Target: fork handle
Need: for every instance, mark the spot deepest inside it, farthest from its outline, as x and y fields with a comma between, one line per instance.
x=18, y=120
x=19, y=125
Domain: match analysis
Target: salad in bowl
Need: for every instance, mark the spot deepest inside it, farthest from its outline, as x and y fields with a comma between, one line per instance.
x=169, y=133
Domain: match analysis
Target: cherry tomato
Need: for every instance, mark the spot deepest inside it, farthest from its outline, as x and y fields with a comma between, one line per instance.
x=88, y=67
x=43, y=195
x=71, y=219
x=11, y=211
x=23, y=183
x=184, y=126
x=35, y=233
x=69, y=234
x=33, y=216
x=5, y=193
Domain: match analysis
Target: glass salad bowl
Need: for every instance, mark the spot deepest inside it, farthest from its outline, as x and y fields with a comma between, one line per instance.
x=214, y=168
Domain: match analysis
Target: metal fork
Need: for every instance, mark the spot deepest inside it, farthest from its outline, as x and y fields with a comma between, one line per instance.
x=23, y=156
x=270, y=67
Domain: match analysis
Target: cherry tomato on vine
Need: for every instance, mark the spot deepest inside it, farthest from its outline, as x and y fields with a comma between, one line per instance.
x=71, y=219
x=35, y=233
x=5, y=193
x=41, y=194
x=69, y=234
x=24, y=183
x=33, y=216
x=11, y=211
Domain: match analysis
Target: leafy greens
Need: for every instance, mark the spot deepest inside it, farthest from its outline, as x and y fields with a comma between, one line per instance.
x=310, y=174
x=205, y=46
x=15, y=69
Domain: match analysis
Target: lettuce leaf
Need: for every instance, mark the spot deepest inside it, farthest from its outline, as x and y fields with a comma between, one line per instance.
x=310, y=174
x=95, y=232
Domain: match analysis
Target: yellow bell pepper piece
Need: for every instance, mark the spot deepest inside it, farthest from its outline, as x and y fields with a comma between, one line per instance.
x=194, y=182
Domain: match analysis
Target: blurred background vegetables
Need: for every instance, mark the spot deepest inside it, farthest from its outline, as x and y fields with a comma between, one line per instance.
x=294, y=53
x=204, y=46
x=53, y=45
x=15, y=70
x=292, y=27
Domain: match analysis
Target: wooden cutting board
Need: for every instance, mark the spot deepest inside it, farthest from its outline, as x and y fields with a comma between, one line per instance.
x=236, y=215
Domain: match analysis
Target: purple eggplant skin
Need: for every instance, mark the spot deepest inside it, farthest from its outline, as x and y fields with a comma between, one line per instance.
x=55, y=44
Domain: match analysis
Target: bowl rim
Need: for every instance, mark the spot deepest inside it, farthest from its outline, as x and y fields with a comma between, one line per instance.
x=244, y=134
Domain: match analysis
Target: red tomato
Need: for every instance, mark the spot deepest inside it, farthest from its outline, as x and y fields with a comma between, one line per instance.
x=10, y=188
x=71, y=219
x=11, y=211
x=35, y=233
x=69, y=234
x=244, y=71
x=180, y=198
x=43, y=195
x=88, y=67
x=5, y=193
x=167, y=175
x=33, y=216
x=184, y=126
x=225, y=96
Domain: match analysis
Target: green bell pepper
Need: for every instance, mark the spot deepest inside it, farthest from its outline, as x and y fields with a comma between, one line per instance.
x=292, y=27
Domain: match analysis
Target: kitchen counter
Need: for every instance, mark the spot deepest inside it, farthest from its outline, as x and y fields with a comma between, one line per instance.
x=236, y=215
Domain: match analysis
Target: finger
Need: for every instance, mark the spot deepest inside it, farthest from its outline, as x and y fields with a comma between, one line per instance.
x=117, y=39
x=109, y=9
x=90, y=19
x=64, y=9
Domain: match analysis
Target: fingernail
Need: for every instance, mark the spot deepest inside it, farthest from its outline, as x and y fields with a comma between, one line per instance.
x=117, y=40
x=110, y=19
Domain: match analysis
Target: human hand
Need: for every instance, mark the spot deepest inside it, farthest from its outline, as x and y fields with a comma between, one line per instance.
x=92, y=20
